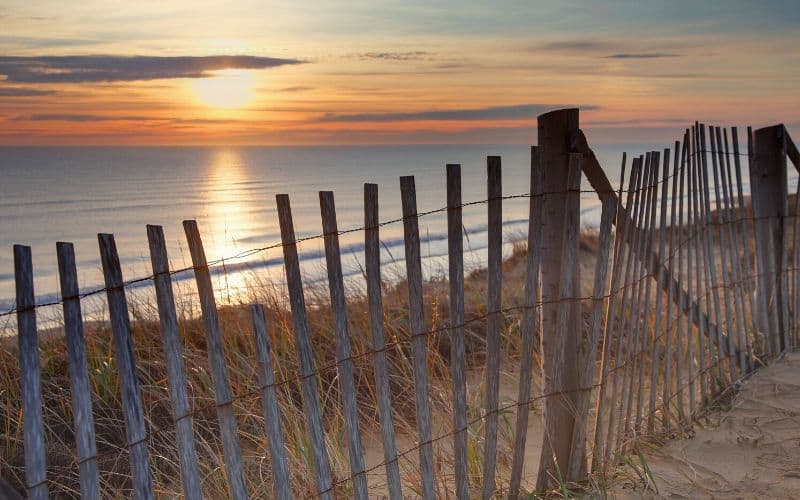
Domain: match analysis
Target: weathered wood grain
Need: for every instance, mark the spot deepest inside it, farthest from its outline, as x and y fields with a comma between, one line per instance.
x=530, y=324
x=458, y=363
x=418, y=335
x=341, y=329
x=126, y=366
x=30, y=383
x=494, y=321
x=173, y=353
x=567, y=294
x=379, y=364
x=269, y=399
x=302, y=339
x=223, y=396
x=85, y=443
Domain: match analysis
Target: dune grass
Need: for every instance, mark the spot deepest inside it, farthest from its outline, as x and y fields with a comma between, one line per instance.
x=241, y=360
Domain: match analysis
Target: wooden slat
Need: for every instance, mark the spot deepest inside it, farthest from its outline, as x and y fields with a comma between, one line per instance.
x=603, y=409
x=709, y=276
x=85, y=443
x=30, y=384
x=618, y=320
x=731, y=350
x=571, y=230
x=680, y=250
x=418, y=335
x=216, y=359
x=657, y=328
x=494, y=321
x=577, y=464
x=458, y=363
x=745, y=240
x=126, y=366
x=173, y=353
x=666, y=395
x=344, y=358
x=631, y=325
x=380, y=367
x=733, y=249
x=530, y=324
x=644, y=351
x=724, y=246
x=302, y=339
x=694, y=230
x=597, y=178
x=696, y=273
x=691, y=338
x=269, y=399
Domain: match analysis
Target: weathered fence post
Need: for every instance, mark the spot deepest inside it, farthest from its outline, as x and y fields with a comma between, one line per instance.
x=33, y=424
x=555, y=133
x=769, y=196
x=85, y=443
x=135, y=430
x=173, y=354
x=372, y=255
x=223, y=395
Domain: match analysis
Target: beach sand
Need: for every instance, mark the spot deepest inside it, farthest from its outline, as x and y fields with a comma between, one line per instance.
x=750, y=451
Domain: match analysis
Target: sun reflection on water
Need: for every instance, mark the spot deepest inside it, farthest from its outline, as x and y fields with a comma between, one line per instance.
x=229, y=212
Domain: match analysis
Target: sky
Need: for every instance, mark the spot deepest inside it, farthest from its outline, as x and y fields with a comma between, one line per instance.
x=389, y=72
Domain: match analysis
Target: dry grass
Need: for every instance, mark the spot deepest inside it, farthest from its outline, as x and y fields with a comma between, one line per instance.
x=241, y=360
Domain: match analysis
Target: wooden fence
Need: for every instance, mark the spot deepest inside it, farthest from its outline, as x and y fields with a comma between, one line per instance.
x=669, y=326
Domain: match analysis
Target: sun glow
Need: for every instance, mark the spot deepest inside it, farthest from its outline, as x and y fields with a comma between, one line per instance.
x=228, y=89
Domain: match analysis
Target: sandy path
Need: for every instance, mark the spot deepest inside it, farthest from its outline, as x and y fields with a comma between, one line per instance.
x=752, y=451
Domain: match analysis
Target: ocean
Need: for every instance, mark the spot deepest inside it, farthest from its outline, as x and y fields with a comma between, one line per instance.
x=52, y=194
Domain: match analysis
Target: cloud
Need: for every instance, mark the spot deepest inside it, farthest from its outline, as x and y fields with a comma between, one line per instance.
x=642, y=55
x=83, y=118
x=296, y=88
x=30, y=42
x=75, y=117
x=396, y=56
x=635, y=121
x=23, y=92
x=84, y=69
x=580, y=45
x=515, y=112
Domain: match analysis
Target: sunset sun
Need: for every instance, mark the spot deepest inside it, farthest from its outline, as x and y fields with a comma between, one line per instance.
x=230, y=89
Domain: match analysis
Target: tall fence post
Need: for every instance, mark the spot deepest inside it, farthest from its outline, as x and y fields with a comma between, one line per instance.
x=555, y=133
x=769, y=195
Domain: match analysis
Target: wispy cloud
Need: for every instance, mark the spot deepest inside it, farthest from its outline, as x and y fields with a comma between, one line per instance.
x=23, y=92
x=578, y=45
x=396, y=56
x=88, y=118
x=635, y=121
x=76, y=117
x=30, y=42
x=642, y=55
x=514, y=112
x=82, y=69
x=296, y=88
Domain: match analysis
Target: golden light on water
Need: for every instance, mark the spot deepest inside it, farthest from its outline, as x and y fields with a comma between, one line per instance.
x=228, y=215
x=227, y=89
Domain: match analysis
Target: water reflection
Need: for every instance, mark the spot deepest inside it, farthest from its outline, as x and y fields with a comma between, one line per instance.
x=229, y=210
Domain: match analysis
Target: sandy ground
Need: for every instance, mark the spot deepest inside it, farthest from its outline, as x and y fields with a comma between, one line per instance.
x=751, y=451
